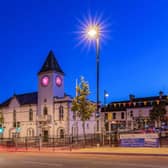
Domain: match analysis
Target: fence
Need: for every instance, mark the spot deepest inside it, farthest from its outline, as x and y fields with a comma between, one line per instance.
x=66, y=142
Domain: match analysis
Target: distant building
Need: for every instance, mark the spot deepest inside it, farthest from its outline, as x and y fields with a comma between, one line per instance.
x=46, y=112
x=131, y=114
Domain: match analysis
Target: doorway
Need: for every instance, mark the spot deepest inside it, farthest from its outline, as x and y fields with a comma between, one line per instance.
x=45, y=135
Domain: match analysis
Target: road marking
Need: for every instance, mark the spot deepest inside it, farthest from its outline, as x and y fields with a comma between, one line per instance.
x=43, y=163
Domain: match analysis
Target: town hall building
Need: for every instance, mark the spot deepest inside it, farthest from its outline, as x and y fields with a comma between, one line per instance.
x=44, y=113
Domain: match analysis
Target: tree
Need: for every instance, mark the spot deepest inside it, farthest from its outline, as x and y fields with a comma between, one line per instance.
x=81, y=106
x=158, y=111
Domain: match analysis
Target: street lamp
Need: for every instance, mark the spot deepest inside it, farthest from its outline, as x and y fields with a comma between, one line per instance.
x=93, y=33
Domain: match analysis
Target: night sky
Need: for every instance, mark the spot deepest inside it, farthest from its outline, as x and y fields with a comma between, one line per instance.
x=134, y=55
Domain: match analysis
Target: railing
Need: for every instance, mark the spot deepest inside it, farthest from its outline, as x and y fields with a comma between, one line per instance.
x=44, y=118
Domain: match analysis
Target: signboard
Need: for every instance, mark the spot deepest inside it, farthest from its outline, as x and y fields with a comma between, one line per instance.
x=139, y=140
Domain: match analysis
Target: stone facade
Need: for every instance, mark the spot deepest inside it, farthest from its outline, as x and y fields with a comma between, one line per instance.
x=44, y=113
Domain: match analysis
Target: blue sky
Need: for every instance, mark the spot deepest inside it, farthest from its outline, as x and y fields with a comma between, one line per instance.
x=133, y=57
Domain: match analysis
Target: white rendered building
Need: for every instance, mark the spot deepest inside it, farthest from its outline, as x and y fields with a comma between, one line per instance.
x=46, y=112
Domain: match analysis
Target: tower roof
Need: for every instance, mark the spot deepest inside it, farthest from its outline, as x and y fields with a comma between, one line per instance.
x=51, y=64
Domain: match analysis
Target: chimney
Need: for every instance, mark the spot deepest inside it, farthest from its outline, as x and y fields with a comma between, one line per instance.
x=160, y=94
x=131, y=97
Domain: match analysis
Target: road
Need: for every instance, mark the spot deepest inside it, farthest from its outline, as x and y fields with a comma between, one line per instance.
x=60, y=160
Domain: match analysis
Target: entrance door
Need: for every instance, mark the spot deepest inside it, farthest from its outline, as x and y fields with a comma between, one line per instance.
x=45, y=135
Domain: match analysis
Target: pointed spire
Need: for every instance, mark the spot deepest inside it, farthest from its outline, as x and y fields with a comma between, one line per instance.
x=51, y=64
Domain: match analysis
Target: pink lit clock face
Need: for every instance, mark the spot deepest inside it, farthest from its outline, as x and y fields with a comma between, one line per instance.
x=45, y=80
x=58, y=81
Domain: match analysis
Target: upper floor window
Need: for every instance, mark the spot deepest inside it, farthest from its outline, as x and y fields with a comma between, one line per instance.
x=106, y=116
x=61, y=113
x=114, y=115
x=122, y=115
x=14, y=115
x=30, y=115
x=45, y=111
x=131, y=114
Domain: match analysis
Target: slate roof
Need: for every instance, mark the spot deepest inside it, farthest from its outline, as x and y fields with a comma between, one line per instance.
x=23, y=99
x=134, y=103
x=51, y=64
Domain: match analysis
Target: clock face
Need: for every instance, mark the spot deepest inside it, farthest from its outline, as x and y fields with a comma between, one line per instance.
x=58, y=81
x=45, y=80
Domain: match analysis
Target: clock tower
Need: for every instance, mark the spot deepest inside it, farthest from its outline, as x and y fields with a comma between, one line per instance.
x=50, y=83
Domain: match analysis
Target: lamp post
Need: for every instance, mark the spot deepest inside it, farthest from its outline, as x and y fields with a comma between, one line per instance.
x=93, y=33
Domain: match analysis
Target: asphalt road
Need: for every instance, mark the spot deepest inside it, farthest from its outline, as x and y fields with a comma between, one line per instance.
x=47, y=160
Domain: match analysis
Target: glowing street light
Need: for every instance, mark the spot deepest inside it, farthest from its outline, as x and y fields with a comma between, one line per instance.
x=93, y=33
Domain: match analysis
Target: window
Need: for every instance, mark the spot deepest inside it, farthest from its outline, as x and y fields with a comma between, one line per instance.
x=30, y=132
x=45, y=111
x=61, y=113
x=106, y=116
x=18, y=124
x=97, y=125
x=30, y=115
x=114, y=115
x=14, y=118
x=106, y=126
x=122, y=115
x=61, y=133
x=87, y=125
x=131, y=114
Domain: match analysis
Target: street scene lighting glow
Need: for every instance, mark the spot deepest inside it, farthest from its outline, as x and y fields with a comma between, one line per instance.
x=92, y=33
x=90, y=29
x=106, y=95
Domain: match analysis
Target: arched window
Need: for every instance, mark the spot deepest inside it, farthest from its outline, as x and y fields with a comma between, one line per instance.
x=45, y=111
x=61, y=113
x=30, y=115
x=61, y=133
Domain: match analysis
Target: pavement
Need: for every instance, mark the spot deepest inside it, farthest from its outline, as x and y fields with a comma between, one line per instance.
x=96, y=150
x=126, y=151
x=76, y=160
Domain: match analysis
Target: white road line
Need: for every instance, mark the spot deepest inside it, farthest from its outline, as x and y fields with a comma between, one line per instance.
x=43, y=163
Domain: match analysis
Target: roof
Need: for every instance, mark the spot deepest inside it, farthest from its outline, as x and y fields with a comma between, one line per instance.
x=51, y=64
x=23, y=99
x=134, y=103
